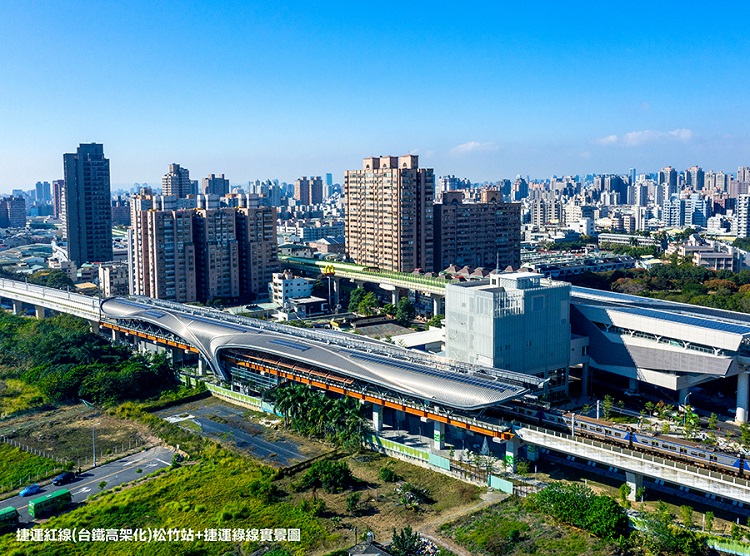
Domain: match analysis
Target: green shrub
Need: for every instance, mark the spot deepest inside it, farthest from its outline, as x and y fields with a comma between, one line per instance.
x=388, y=475
x=331, y=476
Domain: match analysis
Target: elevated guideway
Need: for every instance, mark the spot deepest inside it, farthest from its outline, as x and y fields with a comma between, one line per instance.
x=82, y=306
x=401, y=280
x=638, y=464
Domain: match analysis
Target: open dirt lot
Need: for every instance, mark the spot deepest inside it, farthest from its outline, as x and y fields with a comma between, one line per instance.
x=65, y=432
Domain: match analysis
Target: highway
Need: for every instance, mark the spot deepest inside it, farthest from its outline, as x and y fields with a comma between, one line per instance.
x=114, y=473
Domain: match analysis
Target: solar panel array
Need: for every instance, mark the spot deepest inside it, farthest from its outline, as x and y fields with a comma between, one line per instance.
x=290, y=344
x=464, y=379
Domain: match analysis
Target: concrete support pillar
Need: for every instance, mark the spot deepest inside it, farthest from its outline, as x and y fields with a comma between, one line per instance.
x=633, y=384
x=201, y=366
x=586, y=380
x=336, y=283
x=437, y=304
x=94, y=326
x=743, y=381
x=17, y=307
x=116, y=336
x=400, y=418
x=512, y=449
x=634, y=481
x=39, y=312
x=377, y=417
x=438, y=435
x=395, y=296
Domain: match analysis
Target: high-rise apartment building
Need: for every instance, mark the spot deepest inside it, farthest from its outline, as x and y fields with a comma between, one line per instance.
x=199, y=255
x=487, y=233
x=257, y=249
x=43, y=192
x=695, y=178
x=309, y=191
x=87, y=205
x=743, y=216
x=667, y=184
x=389, y=214
x=57, y=198
x=743, y=174
x=177, y=182
x=215, y=185
x=216, y=256
x=162, y=253
x=13, y=212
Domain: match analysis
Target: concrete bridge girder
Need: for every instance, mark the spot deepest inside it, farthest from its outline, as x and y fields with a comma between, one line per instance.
x=638, y=464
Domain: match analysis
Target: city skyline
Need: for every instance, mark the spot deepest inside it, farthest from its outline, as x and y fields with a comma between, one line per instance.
x=491, y=93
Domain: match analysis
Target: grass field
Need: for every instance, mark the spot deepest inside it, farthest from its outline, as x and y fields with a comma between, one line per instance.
x=507, y=528
x=213, y=493
x=16, y=395
x=19, y=468
x=65, y=432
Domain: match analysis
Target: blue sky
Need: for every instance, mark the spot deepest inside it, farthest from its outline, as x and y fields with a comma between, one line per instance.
x=481, y=90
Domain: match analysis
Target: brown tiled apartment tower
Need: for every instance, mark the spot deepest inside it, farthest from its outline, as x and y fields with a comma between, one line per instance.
x=389, y=214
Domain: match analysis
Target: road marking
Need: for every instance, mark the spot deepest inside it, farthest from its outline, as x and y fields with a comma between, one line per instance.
x=84, y=490
x=99, y=479
x=162, y=461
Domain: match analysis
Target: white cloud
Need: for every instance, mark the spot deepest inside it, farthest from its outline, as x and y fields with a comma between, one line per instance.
x=643, y=137
x=474, y=147
x=608, y=140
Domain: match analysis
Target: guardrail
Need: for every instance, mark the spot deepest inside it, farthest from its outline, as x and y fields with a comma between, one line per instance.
x=642, y=456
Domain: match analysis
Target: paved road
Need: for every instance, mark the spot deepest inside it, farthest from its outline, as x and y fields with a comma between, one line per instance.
x=115, y=473
x=247, y=435
x=286, y=452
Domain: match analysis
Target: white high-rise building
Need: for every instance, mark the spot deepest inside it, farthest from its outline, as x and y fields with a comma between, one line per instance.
x=177, y=182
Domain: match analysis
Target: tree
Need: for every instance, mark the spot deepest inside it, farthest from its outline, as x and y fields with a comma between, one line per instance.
x=709, y=521
x=405, y=311
x=625, y=491
x=713, y=421
x=605, y=518
x=352, y=501
x=745, y=434
x=686, y=516
x=355, y=297
x=607, y=405
x=368, y=304
x=436, y=320
x=389, y=309
x=640, y=494
x=405, y=543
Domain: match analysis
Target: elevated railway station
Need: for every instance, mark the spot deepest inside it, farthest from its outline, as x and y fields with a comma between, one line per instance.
x=401, y=387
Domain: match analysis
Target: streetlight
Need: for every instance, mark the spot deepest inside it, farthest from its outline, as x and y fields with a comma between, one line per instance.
x=93, y=440
x=328, y=272
x=685, y=407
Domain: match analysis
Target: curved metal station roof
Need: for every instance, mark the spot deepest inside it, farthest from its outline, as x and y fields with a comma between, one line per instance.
x=423, y=376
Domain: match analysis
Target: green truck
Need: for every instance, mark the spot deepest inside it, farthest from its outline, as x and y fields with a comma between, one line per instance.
x=8, y=519
x=49, y=503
